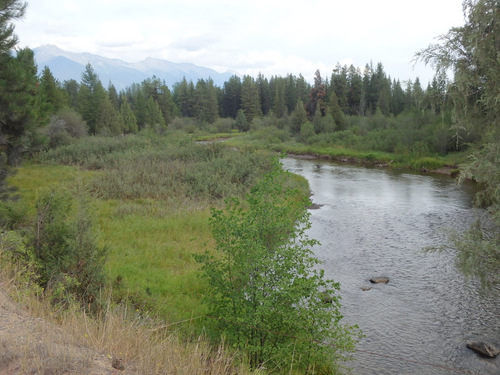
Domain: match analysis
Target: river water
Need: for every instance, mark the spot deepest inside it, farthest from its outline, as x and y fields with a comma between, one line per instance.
x=376, y=222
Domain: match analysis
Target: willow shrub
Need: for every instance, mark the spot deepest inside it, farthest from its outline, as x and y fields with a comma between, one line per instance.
x=160, y=167
x=266, y=293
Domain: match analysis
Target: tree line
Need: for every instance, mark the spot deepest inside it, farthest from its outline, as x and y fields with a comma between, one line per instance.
x=347, y=92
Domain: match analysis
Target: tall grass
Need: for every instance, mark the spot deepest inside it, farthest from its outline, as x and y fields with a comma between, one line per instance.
x=152, y=197
x=52, y=341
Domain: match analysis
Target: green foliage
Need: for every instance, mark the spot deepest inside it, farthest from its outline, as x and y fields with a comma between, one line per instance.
x=12, y=214
x=17, y=97
x=479, y=249
x=91, y=94
x=224, y=125
x=109, y=120
x=250, y=99
x=64, y=127
x=16, y=254
x=128, y=118
x=241, y=121
x=71, y=263
x=307, y=132
x=162, y=167
x=472, y=52
x=265, y=290
x=298, y=118
x=479, y=256
x=10, y=10
x=50, y=97
x=206, y=107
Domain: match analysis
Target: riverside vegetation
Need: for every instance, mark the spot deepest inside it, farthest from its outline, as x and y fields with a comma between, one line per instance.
x=151, y=197
x=114, y=198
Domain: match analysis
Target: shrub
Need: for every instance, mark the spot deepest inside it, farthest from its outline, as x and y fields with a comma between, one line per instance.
x=306, y=132
x=65, y=126
x=224, y=125
x=71, y=263
x=265, y=290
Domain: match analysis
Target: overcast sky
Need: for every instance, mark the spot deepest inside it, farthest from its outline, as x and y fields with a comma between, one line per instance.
x=273, y=37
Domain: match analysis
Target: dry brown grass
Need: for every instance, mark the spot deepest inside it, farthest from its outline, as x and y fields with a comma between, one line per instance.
x=148, y=348
x=36, y=338
x=45, y=358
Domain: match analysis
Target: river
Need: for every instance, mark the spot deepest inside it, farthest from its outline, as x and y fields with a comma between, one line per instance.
x=376, y=222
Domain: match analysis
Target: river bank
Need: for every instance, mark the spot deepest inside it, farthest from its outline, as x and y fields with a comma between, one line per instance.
x=449, y=170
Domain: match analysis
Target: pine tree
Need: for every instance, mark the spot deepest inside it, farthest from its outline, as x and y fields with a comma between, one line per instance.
x=250, y=100
x=113, y=96
x=340, y=86
x=264, y=94
x=336, y=112
x=128, y=118
x=154, y=116
x=205, y=104
x=279, y=104
x=231, y=97
x=50, y=97
x=71, y=87
x=355, y=91
x=298, y=118
x=316, y=96
x=183, y=97
x=108, y=119
x=13, y=122
x=90, y=97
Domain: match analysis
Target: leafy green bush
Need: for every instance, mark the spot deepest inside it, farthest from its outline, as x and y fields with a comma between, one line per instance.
x=65, y=126
x=224, y=125
x=266, y=294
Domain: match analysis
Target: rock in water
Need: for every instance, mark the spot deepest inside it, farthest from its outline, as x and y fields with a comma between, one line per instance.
x=484, y=348
x=379, y=280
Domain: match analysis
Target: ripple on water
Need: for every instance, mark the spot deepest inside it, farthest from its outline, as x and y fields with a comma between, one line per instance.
x=377, y=222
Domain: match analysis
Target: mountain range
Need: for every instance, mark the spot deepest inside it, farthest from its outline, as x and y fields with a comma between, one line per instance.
x=66, y=65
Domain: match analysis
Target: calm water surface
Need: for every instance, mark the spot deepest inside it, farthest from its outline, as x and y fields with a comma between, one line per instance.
x=375, y=222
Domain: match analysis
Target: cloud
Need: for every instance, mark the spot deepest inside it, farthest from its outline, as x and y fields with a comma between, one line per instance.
x=272, y=37
x=195, y=43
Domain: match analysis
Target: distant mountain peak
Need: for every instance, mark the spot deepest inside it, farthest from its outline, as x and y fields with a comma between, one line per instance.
x=66, y=65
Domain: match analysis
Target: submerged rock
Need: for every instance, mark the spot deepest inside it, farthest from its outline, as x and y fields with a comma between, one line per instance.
x=483, y=348
x=365, y=288
x=379, y=280
x=315, y=206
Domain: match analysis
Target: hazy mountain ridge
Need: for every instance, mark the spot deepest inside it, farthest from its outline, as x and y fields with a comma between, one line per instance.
x=66, y=65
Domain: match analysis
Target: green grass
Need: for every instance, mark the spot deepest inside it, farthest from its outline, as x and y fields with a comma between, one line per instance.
x=151, y=255
x=151, y=242
x=151, y=198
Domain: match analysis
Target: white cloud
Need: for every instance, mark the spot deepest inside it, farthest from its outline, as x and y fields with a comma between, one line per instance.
x=272, y=37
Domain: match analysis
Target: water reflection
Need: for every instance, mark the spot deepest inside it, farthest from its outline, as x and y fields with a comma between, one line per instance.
x=376, y=222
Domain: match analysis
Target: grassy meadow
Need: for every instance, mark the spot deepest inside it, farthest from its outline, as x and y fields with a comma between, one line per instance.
x=150, y=197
